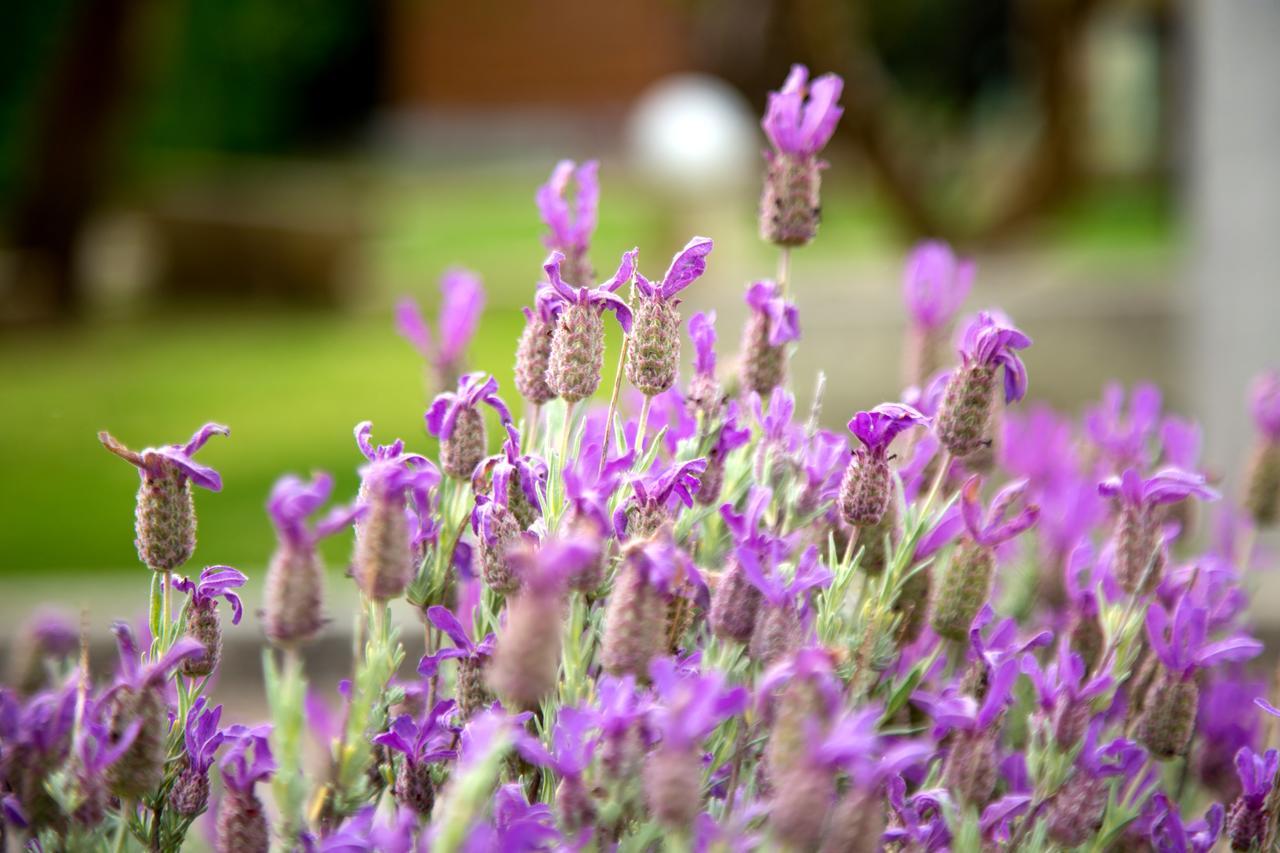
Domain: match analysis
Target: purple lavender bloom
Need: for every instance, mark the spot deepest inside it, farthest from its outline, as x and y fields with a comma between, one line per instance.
x=775, y=424
x=811, y=665
x=517, y=826
x=293, y=499
x=570, y=224
x=801, y=117
x=1064, y=693
x=460, y=309
x=996, y=526
x=463, y=646
x=997, y=818
x=656, y=496
x=473, y=389
x=809, y=574
x=372, y=831
x=934, y=284
x=1224, y=729
x=248, y=759
x=1001, y=643
x=922, y=817
x=1170, y=835
x=215, y=582
x=690, y=705
x=1257, y=774
x=878, y=428
x=1125, y=438
x=423, y=743
x=687, y=266
x=390, y=467
x=765, y=298
x=952, y=710
x=1166, y=486
x=602, y=298
x=1264, y=404
x=992, y=341
x=158, y=461
x=527, y=473
x=702, y=331
x=1180, y=641
x=1180, y=442
x=202, y=737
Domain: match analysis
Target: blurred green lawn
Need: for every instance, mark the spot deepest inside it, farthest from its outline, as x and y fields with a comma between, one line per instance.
x=292, y=384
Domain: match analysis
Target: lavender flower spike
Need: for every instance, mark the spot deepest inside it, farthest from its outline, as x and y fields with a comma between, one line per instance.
x=242, y=820
x=202, y=614
x=472, y=658
x=865, y=491
x=570, y=224
x=966, y=586
x=533, y=352
x=577, y=347
x=421, y=745
x=292, y=604
x=704, y=396
x=165, y=517
x=460, y=309
x=1139, y=547
x=653, y=357
x=201, y=738
x=989, y=343
x=934, y=284
x=1262, y=486
x=454, y=418
x=798, y=121
x=771, y=324
x=1247, y=820
x=1181, y=646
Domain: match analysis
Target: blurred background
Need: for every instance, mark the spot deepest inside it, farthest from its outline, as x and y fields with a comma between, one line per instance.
x=208, y=208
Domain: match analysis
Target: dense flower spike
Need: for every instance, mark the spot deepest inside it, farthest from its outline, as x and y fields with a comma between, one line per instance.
x=462, y=301
x=242, y=819
x=772, y=322
x=653, y=571
x=420, y=745
x=736, y=599
x=526, y=477
x=533, y=352
x=656, y=496
x=455, y=419
x=293, y=602
x=1139, y=547
x=201, y=738
x=472, y=657
x=384, y=548
x=203, y=624
x=1262, y=486
x=934, y=285
x=728, y=438
x=577, y=347
x=653, y=358
x=799, y=122
x=1247, y=820
x=705, y=396
x=967, y=582
x=570, y=223
x=867, y=485
x=165, y=518
x=989, y=343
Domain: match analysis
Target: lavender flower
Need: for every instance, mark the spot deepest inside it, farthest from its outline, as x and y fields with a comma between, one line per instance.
x=138, y=694
x=800, y=694
x=242, y=821
x=705, y=396
x=472, y=658
x=653, y=357
x=577, y=347
x=94, y=751
x=1077, y=812
x=652, y=573
x=189, y=795
x=292, y=604
x=460, y=309
x=1170, y=835
x=165, y=518
x=1262, y=488
x=421, y=745
x=736, y=599
x=570, y=224
x=1064, y=693
x=1139, y=552
x=780, y=626
x=989, y=343
x=498, y=531
x=967, y=582
x=572, y=751
x=772, y=322
x=1248, y=818
x=865, y=491
x=655, y=496
x=1125, y=439
x=36, y=737
x=690, y=707
x=533, y=352
x=934, y=284
x=799, y=121
x=47, y=637
x=1180, y=643
x=728, y=438
x=384, y=549
x=526, y=478
x=526, y=657
x=455, y=419
x=372, y=829
x=203, y=624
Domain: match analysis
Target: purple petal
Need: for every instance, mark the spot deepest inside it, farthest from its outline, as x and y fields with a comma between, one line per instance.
x=686, y=267
x=412, y=327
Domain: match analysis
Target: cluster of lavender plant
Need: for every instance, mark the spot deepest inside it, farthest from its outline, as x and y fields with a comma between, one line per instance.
x=693, y=617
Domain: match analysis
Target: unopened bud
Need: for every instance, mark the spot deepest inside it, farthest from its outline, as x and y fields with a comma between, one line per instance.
x=473, y=693
x=141, y=768
x=577, y=353
x=763, y=366
x=1247, y=825
x=526, y=659
x=189, y=795
x=165, y=519
x=384, y=558
x=574, y=804
x=705, y=397
x=878, y=539
x=965, y=587
x=1087, y=639
x=790, y=206
x=495, y=549
x=801, y=802
x=1168, y=716
x=912, y=604
x=778, y=632
x=712, y=480
x=734, y=605
x=964, y=417
x=653, y=356
x=1138, y=548
x=856, y=825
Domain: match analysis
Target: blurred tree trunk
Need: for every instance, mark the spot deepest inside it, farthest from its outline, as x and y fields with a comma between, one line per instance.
x=71, y=150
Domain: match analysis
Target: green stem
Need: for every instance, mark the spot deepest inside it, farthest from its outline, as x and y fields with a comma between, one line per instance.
x=122, y=829
x=784, y=270
x=644, y=425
